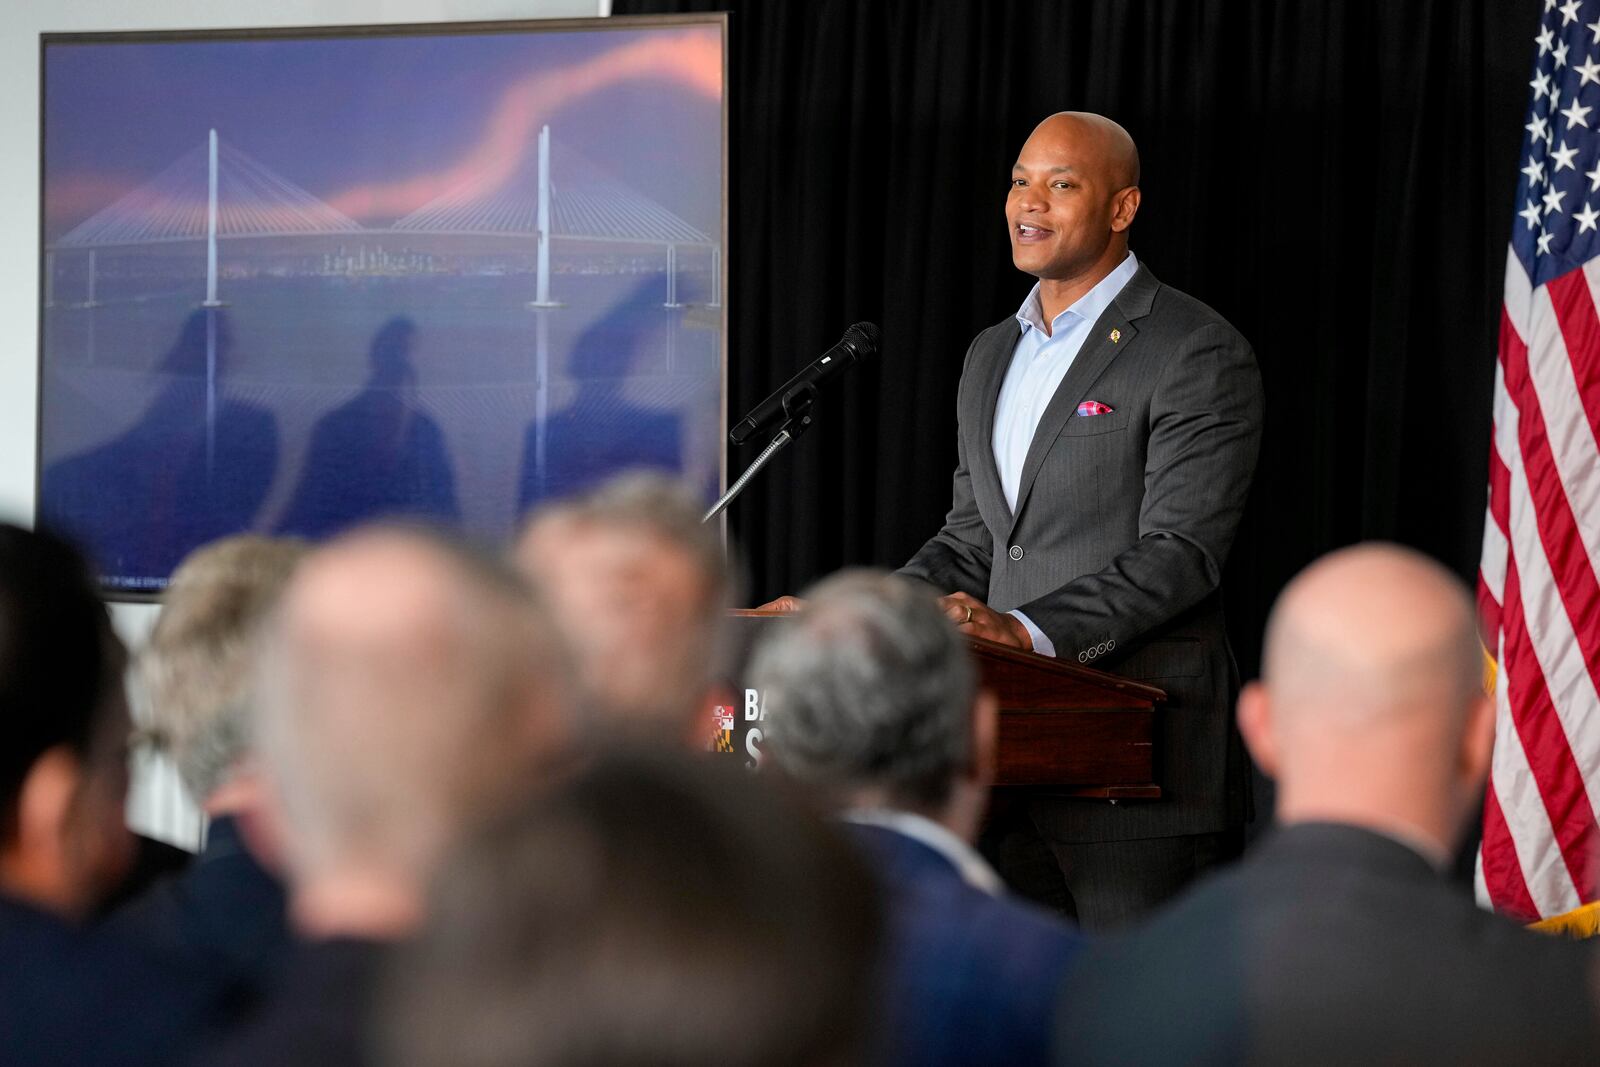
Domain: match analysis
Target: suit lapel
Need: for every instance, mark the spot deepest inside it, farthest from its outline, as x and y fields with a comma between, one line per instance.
x=1092, y=360
x=980, y=454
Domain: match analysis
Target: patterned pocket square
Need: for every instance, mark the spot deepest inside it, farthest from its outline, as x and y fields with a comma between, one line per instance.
x=1094, y=407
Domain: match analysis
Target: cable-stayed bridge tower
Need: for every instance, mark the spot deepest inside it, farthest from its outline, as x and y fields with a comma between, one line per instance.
x=213, y=192
x=558, y=194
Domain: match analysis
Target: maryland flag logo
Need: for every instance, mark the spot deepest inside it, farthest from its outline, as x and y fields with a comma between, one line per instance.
x=722, y=740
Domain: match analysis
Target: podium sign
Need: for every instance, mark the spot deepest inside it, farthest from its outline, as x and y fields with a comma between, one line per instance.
x=1063, y=728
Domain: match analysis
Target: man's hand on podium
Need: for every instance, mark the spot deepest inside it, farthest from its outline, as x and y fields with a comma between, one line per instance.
x=975, y=617
x=783, y=603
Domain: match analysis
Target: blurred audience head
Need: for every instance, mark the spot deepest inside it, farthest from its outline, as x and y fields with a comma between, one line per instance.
x=1370, y=708
x=63, y=730
x=640, y=587
x=198, y=667
x=656, y=910
x=408, y=687
x=871, y=695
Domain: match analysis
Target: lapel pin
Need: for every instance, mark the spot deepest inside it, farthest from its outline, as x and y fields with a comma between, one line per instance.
x=1116, y=335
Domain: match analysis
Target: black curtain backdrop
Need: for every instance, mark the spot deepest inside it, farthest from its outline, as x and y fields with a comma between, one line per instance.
x=1335, y=177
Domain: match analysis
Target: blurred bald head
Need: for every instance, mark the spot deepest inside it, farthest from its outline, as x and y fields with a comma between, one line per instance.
x=408, y=687
x=1370, y=701
x=1371, y=635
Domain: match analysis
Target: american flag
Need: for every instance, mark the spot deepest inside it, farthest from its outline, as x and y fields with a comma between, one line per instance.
x=1537, y=589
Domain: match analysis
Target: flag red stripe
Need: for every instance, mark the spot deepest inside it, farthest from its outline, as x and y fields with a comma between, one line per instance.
x=1502, y=872
x=1580, y=327
x=1558, y=529
x=1561, y=787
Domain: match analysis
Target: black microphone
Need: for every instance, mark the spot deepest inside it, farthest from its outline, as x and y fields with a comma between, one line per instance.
x=858, y=342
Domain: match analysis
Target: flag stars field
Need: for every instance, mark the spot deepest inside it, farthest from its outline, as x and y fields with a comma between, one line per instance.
x=1561, y=100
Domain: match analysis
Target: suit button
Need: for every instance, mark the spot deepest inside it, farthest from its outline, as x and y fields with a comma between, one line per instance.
x=1016, y=551
x=1083, y=657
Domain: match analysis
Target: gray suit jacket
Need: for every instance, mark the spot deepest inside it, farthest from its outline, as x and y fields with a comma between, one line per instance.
x=1122, y=525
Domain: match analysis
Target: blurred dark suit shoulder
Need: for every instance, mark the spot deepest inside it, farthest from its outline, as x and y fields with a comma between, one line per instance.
x=75, y=997
x=222, y=918
x=972, y=976
x=1329, y=944
x=315, y=1015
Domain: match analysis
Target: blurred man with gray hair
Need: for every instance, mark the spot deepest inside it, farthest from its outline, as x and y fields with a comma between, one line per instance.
x=409, y=689
x=640, y=587
x=1340, y=939
x=223, y=917
x=872, y=698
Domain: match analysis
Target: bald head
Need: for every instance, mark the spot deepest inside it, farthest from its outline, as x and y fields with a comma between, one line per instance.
x=407, y=686
x=1098, y=142
x=1370, y=634
x=1370, y=708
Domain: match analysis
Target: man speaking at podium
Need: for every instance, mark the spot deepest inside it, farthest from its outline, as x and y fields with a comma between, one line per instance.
x=1107, y=436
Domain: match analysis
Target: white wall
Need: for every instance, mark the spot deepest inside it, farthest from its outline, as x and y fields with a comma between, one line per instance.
x=155, y=807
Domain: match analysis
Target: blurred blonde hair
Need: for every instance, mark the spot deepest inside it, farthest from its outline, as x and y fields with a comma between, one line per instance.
x=196, y=670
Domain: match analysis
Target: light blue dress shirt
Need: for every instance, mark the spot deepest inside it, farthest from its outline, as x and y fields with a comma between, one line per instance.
x=1038, y=364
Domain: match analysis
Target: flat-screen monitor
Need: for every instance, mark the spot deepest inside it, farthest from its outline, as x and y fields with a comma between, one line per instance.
x=296, y=280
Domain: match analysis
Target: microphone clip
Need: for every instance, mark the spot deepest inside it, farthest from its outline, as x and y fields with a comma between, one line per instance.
x=797, y=404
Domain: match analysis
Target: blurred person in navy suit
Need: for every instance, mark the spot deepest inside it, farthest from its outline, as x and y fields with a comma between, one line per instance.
x=871, y=696
x=69, y=995
x=224, y=916
x=407, y=688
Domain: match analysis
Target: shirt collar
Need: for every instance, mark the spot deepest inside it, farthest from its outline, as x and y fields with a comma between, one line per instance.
x=973, y=868
x=1088, y=307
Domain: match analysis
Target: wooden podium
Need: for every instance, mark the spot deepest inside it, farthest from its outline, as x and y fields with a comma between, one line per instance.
x=1064, y=728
